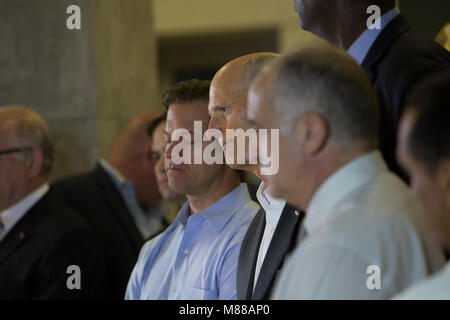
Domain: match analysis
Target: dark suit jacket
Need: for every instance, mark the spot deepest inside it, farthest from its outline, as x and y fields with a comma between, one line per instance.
x=35, y=255
x=397, y=61
x=95, y=197
x=283, y=242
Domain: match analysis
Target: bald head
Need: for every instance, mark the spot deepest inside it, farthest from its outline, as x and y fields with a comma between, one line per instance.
x=130, y=155
x=132, y=138
x=23, y=127
x=228, y=96
x=236, y=76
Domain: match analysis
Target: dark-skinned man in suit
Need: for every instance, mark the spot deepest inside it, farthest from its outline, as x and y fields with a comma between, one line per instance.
x=273, y=232
x=395, y=57
x=46, y=250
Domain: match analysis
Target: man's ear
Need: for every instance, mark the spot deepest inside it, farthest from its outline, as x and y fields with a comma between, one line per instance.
x=35, y=163
x=312, y=132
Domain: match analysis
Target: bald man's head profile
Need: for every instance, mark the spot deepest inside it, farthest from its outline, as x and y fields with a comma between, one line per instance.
x=228, y=98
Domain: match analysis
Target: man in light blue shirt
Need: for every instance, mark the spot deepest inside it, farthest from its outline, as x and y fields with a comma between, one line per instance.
x=196, y=257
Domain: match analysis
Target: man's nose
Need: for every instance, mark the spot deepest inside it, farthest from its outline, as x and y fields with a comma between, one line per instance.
x=217, y=122
x=168, y=151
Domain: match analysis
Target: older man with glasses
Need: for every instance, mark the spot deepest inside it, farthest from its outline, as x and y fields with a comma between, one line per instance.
x=46, y=251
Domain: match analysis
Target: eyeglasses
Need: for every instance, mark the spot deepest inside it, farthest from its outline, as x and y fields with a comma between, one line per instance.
x=15, y=150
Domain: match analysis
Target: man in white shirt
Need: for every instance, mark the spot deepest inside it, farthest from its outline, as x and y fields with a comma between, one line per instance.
x=42, y=243
x=424, y=150
x=360, y=238
x=273, y=232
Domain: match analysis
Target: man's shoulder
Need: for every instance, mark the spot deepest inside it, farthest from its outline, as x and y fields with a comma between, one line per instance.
x=82, y=192
x=411, y=56
x=57, y=216
x=379, y=212
x=242, y=219
x=77, y=182
x=435, y=288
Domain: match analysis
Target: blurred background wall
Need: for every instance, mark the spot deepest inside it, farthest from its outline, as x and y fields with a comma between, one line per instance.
x=87, y=83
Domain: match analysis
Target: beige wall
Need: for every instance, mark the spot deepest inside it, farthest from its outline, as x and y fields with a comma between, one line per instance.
x=85, y=83
x=188, y=17
x=125, y=64
x=202, y=33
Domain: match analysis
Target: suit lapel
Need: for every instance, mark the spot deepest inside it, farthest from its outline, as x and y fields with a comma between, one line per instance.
x=248, y=256
x=23, y=230
x=393, y=30
x=283, y=241
x=117, y=205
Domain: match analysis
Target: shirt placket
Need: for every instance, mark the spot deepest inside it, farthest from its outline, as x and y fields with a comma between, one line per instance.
x=181, y=270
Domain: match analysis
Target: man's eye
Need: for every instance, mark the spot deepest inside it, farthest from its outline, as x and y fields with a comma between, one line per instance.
x=154, y=155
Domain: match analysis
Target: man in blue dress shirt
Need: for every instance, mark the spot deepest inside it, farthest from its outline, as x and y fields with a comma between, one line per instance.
x=196, y=257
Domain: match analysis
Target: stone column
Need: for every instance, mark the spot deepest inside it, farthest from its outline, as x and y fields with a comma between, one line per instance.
x=125, y=64
x=85, y=83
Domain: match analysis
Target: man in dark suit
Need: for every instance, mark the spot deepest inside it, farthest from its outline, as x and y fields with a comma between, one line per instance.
x=46, y=250
x=273, y=232
x=119, y=199
x=394, y=56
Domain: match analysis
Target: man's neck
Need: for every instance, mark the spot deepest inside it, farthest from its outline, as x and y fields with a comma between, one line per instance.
x=33, y=186
x=214, y=192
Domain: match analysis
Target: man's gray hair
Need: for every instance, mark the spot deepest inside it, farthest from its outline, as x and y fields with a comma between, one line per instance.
x=29, y=130
x=323, y=79
x=254, y=65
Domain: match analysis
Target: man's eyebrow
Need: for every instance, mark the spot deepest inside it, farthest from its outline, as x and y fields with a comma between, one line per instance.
x=190, y=131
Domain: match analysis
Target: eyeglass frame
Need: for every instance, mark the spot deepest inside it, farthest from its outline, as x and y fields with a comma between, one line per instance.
x=15, y=150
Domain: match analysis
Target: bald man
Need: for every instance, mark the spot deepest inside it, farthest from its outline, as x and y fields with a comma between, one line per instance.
x=272, y=233
x=119, y=198
x=46, y=250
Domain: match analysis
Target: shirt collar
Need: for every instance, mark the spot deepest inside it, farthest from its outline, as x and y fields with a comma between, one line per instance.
x=116, y=176
x=13, y=214
x=339, y=185
x=359, y=49
x=266, y=200
x=220, y=212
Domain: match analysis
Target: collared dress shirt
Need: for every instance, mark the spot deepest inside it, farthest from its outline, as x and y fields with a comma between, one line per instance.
x=149, y=223
x=359, y=49
x=273, y=208
x=196, y=257
x=12, y=215
x=361, y=226
x=437, y=287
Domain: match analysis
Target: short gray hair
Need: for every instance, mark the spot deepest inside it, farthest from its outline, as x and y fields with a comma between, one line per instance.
x=322, y=78
x=254, y=65
x=29, y=130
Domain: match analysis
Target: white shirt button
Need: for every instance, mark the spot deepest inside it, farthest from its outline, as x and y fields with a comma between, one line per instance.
x=272, y=229
x=174, y=289
x=186, y=251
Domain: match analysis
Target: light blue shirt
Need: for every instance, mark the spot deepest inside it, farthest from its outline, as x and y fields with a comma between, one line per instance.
x=196, y=257
x=149, y=223
x=359, y=49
